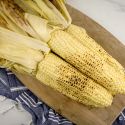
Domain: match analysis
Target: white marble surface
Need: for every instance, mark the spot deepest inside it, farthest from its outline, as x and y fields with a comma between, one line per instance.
x=109, y=13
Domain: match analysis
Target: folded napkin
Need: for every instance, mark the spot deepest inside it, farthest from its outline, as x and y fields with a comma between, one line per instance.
x=12, y=88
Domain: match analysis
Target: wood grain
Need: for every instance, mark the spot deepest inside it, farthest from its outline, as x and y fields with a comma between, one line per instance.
x=76, y=112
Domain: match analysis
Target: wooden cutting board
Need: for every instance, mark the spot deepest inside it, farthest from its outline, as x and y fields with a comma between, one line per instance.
x=76, y=112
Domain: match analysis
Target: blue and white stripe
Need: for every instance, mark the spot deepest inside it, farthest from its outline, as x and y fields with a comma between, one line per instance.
x=10, y=86
x=57, y=118
x=18, y=88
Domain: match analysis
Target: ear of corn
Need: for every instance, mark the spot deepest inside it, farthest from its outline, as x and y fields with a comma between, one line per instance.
x=61, y=76
x=82, y=36
x=87, y=61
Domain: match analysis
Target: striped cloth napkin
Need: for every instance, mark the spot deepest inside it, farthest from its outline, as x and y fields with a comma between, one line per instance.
x=12, y=88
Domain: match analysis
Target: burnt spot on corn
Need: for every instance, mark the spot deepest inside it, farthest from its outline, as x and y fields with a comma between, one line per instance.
x=71, y=76
x=79, y=87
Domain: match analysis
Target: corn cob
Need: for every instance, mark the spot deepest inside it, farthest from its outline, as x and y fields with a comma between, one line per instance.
x=58, y=74
x=87, y=61
x=51, y=70
x=90, y=43
x=81, y=34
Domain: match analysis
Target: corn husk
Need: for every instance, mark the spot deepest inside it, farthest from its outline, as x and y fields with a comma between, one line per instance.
x=29, y=6
x=7, y=23
x=56, y=13
x=60, y=5
x=16, y=15
x=21, y=50
x=41, y=26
